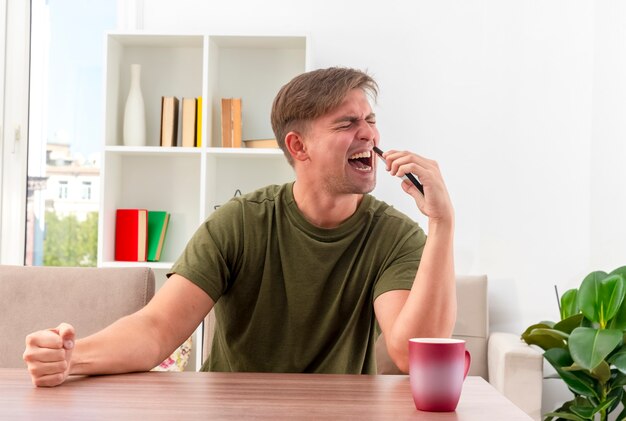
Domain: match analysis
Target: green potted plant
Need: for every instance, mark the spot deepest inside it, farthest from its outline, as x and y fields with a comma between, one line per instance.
x=586, y=347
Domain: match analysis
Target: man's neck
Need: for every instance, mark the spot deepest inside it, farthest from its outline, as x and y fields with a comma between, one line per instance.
x=323, y=209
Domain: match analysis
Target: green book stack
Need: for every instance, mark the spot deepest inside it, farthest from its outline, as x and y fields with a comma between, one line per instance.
x=157, y=228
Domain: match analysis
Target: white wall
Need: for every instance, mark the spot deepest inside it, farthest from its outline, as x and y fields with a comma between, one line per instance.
x=608, y=152
x=523, y=103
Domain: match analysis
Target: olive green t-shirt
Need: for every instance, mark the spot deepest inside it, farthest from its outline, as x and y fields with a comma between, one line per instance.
x=293, y=297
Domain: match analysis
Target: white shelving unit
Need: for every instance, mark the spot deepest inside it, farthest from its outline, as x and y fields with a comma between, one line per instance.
x=190, y=182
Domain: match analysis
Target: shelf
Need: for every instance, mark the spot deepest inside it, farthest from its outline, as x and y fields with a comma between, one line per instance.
x=253, y=69
x=260, y=42
x=144, y=40
x=153, y=265
x=170, y=66
x=190, y=182
x=245, y=152
x=151, y=150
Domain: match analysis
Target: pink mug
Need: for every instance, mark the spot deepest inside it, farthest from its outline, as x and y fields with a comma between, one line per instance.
x=437, y=369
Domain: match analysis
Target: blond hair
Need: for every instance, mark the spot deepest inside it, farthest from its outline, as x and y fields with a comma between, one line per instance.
x=313, y=94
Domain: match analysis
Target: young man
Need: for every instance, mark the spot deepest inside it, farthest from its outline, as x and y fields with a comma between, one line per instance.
x=299, y=274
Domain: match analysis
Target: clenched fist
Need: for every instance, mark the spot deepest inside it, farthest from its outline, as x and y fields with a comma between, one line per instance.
x=48, y=354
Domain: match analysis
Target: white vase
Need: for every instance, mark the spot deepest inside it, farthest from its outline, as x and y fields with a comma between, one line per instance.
x=134, y=111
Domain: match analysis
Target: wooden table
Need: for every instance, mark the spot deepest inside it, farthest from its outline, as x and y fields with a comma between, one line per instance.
x=188, y=396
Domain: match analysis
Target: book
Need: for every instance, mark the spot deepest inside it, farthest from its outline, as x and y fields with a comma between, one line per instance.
x=199, y=123
x=188, y=122
x=235, y=115
x=260, y=143
x=227, y=123
x=231, y=122
x=131, y=235
x=169, y=121
x=158, y=222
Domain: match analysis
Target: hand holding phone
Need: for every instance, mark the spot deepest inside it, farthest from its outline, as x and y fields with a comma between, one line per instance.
x=409, y=176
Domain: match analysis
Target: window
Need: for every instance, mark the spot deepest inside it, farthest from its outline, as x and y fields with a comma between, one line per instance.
x=62, y=190
x=14, y=70
x=86, y=190
x=65, y=127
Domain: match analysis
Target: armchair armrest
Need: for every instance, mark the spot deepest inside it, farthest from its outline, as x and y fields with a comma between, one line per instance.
x=516, y=371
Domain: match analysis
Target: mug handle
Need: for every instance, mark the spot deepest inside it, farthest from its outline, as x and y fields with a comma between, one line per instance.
x=468, y=360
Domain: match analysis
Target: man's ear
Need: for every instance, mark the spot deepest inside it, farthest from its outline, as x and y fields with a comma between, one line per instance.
x=296, y=146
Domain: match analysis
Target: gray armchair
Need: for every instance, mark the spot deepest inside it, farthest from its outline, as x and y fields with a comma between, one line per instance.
x=35, y=298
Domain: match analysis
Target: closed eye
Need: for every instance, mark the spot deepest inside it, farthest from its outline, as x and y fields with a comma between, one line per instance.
x=347, y=122
x=344, y=125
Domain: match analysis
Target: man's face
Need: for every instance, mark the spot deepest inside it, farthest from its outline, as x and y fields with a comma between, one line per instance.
x=339, y=145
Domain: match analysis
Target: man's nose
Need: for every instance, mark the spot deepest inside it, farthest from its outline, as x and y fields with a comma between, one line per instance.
x=366, y=131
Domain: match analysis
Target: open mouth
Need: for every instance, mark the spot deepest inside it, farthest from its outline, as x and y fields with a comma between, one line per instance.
x=361, y=161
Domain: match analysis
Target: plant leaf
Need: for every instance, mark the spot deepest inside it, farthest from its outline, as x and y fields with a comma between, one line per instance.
x=573, y=367
x=602, y=372
x=616, y=395
x=604, y=405
x=619, y=321
x=556, y=334
x=578, y=382
x=588, y=296
x=622, y=415
x=569, y=324
x=565, y=416
x=536, y=335
x=582, y=407
x=569, y=304
x=543, y=324
x=619, y=361
x=619, y=271
x=588, y=323
x=612, y=295
x=619, y=381
x=565, y=408
x=544, y=341
x=584, y=412
x=588, y=346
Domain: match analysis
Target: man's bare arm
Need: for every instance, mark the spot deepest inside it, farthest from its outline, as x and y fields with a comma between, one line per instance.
x=137, y=342
x=429, y=308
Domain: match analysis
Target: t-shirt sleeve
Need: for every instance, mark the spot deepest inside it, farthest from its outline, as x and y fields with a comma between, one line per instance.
x=400, y=271
x=209, y=257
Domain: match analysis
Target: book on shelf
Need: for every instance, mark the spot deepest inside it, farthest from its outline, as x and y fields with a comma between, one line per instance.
x=227, y=124
x=188, y=122
x=199, y=123
x=231, y=122
x=158, y=222
x=260, y=143
x=235, y=114
x=131, y=235
x=169, y=121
